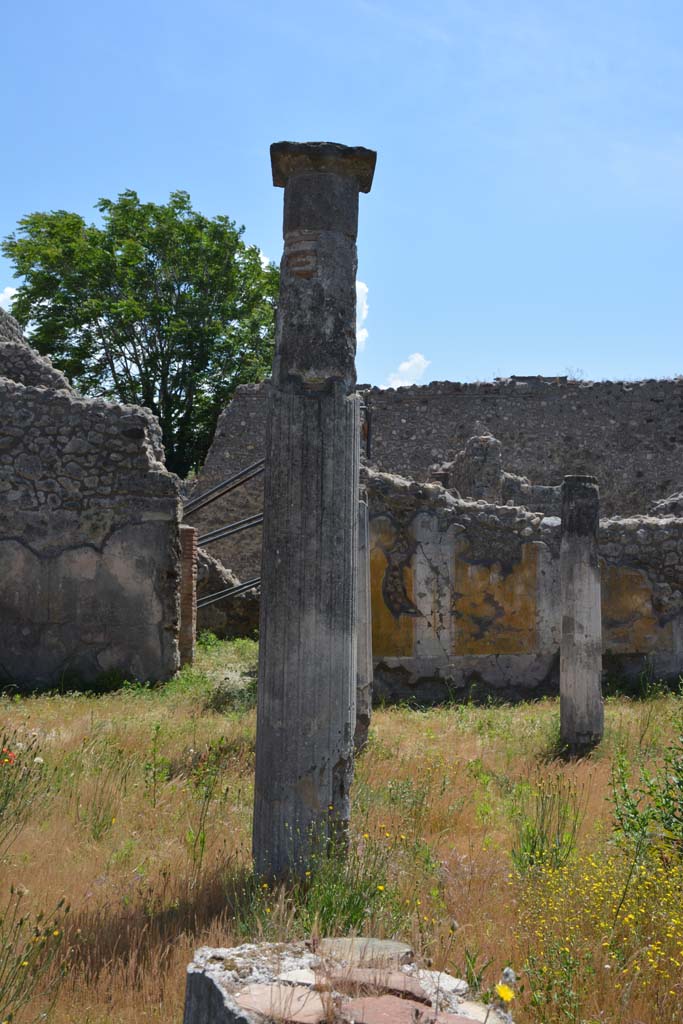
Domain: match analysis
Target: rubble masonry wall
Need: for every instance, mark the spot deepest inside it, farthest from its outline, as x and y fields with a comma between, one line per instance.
x=628, y=435
x=89, y=527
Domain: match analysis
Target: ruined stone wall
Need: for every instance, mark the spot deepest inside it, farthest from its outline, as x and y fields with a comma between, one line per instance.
x=669, y=506
x=238, y=442
x=628, y=435
x=237, y=616
x=518, y=490
x=20, y=363
x=465, y=595
x=89, y=551
x=642, y=591
x=475, y=472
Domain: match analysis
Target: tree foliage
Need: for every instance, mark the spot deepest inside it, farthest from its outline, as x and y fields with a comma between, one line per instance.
x=159, y=306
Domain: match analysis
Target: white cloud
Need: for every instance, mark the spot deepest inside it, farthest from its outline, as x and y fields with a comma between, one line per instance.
x=409, y=371
x=6, y=296
x=265, y=262
x=361, y=314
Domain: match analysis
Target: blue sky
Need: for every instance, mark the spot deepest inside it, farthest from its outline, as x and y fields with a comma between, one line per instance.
x=527, y=210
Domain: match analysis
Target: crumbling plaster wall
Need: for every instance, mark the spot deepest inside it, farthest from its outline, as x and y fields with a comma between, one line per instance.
x=628, y=435
x=89, y=518
x=465, y=595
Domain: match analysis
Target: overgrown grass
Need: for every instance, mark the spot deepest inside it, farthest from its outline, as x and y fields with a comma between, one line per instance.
x=461, y=814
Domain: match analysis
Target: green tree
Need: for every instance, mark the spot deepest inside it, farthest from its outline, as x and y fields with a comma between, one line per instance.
x=159, y=306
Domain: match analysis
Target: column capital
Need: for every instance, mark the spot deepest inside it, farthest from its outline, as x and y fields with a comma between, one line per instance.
x=577, y=482
x=291, y=158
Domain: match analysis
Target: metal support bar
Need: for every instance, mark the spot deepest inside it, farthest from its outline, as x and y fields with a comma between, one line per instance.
x=194, y=504
x=227, y=531
x=230, y=592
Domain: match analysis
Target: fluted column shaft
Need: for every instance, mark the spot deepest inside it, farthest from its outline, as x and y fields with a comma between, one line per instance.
x=364, y=639
x=581, y=706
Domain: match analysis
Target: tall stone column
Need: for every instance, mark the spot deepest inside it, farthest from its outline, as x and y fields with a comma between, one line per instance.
x=365, y=670
x=581, y=707
x=307, y=653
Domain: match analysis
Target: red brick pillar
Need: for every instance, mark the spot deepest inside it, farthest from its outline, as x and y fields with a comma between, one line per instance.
x=188, y=594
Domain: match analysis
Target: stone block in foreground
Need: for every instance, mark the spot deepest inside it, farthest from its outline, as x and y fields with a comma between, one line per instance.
x=343, y=981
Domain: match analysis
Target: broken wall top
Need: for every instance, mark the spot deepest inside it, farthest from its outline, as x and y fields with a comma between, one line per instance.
x=71, y=468
x=89, y=515
x=21, y=363
x=495, y=534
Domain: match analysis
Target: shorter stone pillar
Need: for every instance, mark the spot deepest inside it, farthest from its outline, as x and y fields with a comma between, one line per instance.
x=581, y=707
x=364, y=635
x=188, y=594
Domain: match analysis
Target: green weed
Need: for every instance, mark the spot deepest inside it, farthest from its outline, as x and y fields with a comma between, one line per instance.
x=29, y=948
x=650, y=812
x=22, y=786
x=546, y=816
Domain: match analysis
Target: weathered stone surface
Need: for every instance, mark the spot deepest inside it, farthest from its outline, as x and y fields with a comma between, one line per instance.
x=206, y=1002
x=20, y=363
x=237, y=616
x=445, y=991
x=316, y=329
x=581, y=707
x=89, y=533
x=238, y=442
x=368, y=952
x=290, y=158
x=671, y=506
x=358, y=981
x=188, y=594
x=470, y=1010
x=518, y=490
x=299, y=976
x=364, y=671
x=628, y=435
x=307, y=650
x=394, y=1010
x=287, y=1003
x=475, y=472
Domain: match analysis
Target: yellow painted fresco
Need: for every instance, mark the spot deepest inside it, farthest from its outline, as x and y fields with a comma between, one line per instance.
x=495, y=613
x=630, y=622
x=392, y=636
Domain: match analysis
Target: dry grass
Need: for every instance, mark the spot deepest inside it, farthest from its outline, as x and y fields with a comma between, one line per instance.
x=146, y=831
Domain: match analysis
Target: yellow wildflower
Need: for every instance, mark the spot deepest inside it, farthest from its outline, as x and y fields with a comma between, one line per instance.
x=504, y=993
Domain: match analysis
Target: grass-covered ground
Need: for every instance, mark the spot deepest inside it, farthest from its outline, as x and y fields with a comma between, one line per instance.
x=469, y=838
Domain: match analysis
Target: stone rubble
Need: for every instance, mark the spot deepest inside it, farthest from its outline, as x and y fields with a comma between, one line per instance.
x=350, y=980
